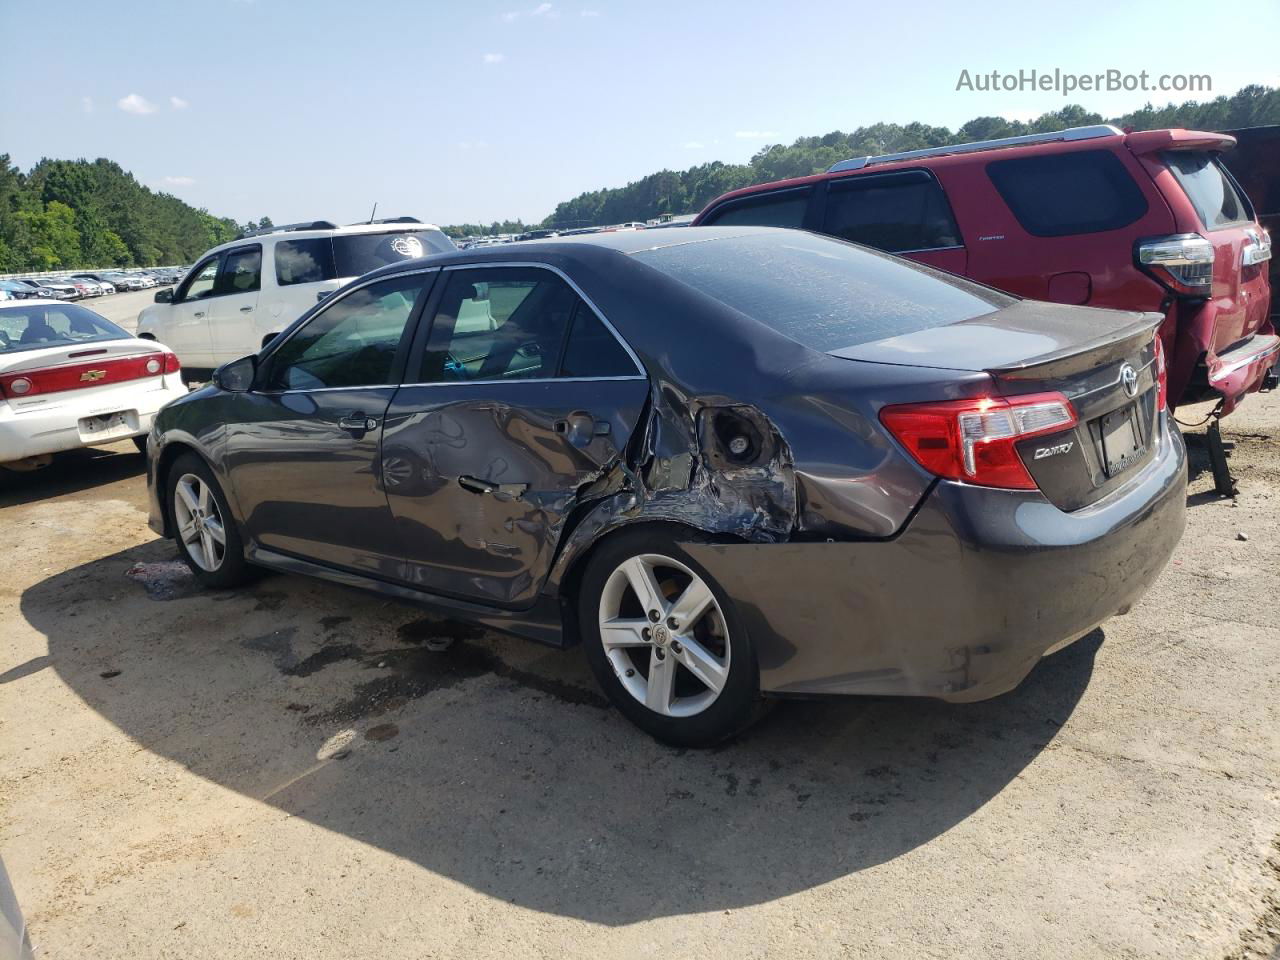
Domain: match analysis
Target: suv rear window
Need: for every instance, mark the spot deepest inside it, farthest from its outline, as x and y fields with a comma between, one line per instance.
x=821, y=292
x=1210, y=191
x=352, y=255
x=897, y=212
x=1058, y=195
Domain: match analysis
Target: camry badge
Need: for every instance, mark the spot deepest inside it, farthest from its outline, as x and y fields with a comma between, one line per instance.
x=89, y=376
x=1129, y=380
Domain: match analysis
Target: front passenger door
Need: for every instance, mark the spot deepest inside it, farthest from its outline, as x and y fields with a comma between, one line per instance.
x=186, y=327
x=304, y=446
x=233, y=305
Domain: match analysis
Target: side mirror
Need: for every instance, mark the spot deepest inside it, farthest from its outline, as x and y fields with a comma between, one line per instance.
x=164, y=296
x=236, y=376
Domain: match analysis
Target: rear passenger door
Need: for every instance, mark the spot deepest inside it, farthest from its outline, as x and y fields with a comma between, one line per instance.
x=519, y=397
x=904, y=212
x=233, y=304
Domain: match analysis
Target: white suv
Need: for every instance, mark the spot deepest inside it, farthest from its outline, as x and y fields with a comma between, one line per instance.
x=241, y=294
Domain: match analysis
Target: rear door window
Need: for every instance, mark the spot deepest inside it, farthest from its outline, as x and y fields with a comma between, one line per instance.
x=241, y=272
x=1210, y=190
x=782, y=208
x=896, y=213
x=593, y=351
x=1061, y=194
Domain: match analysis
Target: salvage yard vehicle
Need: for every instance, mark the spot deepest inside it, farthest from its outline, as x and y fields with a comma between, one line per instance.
x=70, y=378
x=1088, y=215
x=729, y=460
x=229, y=305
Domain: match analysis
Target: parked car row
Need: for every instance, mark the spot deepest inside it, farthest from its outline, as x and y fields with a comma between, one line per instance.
x=81, y=285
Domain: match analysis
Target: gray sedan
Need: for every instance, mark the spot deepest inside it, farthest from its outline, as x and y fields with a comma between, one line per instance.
x=733, y=463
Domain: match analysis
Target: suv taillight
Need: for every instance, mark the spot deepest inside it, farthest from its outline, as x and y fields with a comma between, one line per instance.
x=974, y=441
x=1162, y=374
x=1183, y=263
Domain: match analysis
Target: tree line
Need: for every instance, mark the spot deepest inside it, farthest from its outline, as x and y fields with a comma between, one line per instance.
x=65, y=214
x=688, y=191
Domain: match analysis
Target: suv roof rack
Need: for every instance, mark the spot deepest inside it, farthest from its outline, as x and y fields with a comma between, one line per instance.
x=286, y=227
x=362, y=223
x=1071, y=133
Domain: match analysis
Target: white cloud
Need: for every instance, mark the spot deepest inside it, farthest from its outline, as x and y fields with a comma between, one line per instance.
x=136, y=104
x=590, y=13
x=541, y=10
x=694, y=145
x=86, y=104
x=179, y=181
x=510, y=16
x=755, y=134
x=494, y=57
x=178, y=103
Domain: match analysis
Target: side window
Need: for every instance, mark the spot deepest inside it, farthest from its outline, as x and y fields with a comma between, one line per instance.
x=241, y=272
x=786, y=208
x=502, y=323
x=200, y=283
x=893, y=213
x=352, y=343
x=1060, y=194
x=592, y=351
x=304, y=261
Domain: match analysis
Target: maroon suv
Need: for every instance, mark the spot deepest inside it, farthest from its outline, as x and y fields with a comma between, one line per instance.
x=1146, y=221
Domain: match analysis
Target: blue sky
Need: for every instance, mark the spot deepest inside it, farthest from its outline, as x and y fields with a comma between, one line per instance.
x=479, y=110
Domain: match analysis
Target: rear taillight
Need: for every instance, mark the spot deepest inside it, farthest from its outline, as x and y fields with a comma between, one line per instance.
x=974, y=440
x=171, y=364
x=1162, y=374
x=93, y=373
x=1183, y=263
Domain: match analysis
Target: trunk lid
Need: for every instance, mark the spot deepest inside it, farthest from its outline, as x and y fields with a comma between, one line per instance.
x=1103, y=361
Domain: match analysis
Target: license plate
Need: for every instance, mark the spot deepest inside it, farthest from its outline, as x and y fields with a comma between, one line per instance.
x=121, y=423
x=1122, y=444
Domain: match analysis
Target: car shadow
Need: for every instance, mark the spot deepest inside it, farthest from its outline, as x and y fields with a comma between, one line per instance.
x=74, y=471
x=497, y=763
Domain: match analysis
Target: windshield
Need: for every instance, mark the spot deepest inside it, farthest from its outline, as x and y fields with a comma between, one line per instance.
x=823, y=293
x=37, y=324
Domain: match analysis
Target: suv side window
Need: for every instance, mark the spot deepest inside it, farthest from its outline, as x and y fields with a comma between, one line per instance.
x=895, y=213
x=1058, y=195
x=351, y=343
x=304, y=261
x=200, y=283
x=782, y=208
x=499, y=323
x=241, y=272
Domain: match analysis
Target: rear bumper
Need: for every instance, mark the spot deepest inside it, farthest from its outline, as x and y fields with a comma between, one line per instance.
x=36, y=432
x=962, y=604
x=1243, y=369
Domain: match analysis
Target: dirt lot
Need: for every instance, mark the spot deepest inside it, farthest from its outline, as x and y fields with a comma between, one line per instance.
x=294, y=770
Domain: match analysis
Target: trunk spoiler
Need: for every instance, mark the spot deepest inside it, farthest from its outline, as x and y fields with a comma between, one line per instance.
x=1155, y=141
x=1099, y=351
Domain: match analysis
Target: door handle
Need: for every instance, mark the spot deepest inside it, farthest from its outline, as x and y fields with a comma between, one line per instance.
x=198, y=313
x=580, y=427
x=475, y=484
x=358, y=423
x=246, y=309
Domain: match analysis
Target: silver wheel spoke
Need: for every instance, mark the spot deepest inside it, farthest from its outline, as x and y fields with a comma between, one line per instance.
x=204, y=497
x=662, y=681
x=623, y=633
x=640, y=576
x=699, y=661
x=691, y=604
x=214, y=526
x=188, y=532
x=206, y=546
x=188, y=496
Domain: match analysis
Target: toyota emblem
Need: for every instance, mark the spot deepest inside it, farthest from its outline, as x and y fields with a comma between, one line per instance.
x=1129, y=380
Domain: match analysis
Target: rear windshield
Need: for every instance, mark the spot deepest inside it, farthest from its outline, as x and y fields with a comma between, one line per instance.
x=352, y=255
x=820, y=292
x=1210, y=191
x=36, y=324
x=1062, y=194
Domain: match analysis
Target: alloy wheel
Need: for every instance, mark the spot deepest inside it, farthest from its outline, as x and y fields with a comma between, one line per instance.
x=199, y=522
x=665, y=635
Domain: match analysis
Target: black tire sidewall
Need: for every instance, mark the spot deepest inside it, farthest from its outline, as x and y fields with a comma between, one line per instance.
x=737, y=705
x=234, y=570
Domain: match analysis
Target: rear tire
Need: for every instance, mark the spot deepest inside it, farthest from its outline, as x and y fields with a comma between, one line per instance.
x=689, y=677
x=203, y=526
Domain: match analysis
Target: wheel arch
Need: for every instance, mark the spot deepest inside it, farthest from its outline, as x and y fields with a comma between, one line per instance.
x=164, y=464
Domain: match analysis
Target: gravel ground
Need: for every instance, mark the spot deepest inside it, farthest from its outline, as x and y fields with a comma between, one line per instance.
x=295, y=770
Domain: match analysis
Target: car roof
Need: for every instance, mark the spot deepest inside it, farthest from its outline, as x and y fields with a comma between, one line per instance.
x=353, y=229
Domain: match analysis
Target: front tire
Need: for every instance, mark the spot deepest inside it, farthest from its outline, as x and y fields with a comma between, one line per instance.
x=665, y=641
x=203, y=526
